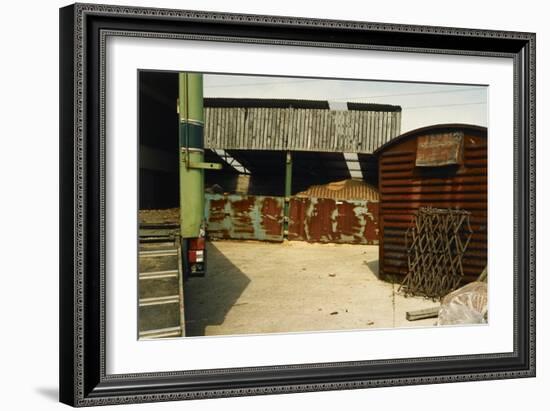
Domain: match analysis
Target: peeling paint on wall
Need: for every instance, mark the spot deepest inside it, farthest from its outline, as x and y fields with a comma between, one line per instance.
x=327, y=220
x=244, y=217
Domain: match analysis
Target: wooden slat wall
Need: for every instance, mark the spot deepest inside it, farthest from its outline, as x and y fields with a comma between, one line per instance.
x=257, y=128
x=403, y=190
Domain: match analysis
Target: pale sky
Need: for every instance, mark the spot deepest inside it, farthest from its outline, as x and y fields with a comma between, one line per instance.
x=423, y=104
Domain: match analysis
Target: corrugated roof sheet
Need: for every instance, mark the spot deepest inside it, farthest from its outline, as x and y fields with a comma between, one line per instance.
x=264, y=103
x=372, y=107
x=297, y=125
x=291, y=103
x=343, y=190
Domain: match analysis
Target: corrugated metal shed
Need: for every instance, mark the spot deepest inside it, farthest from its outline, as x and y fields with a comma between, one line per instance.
x=298, y=125
x=405, y=185
x=342, y=190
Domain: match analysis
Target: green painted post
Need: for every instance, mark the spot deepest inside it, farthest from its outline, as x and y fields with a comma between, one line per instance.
x=191, y=150
x=288, y=190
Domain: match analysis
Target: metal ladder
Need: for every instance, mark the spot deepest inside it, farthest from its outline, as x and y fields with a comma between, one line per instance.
x=161, y=309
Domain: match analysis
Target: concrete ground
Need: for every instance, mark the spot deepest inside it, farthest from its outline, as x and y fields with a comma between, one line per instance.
x=254, y=287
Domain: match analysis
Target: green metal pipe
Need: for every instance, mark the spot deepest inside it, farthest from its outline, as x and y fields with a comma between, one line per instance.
x=191, y=150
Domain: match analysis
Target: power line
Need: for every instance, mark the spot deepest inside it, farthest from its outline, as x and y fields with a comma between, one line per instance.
x=260, y=84
x=408, y=94
x=348, y=98
x=445, y=105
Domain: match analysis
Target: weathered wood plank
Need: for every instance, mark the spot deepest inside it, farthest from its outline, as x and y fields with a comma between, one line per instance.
x=422, y=314
x=265, y=128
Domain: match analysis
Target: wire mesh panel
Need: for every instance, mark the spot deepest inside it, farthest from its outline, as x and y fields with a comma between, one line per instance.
x=436, y=243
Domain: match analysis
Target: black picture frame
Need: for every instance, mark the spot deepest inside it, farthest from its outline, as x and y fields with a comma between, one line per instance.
x=83, y=29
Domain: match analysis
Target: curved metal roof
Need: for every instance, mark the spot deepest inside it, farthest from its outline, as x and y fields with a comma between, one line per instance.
x=343, y=190
x=437, y=128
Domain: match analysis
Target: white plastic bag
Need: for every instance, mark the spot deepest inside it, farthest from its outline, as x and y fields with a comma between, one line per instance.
x=467, y=305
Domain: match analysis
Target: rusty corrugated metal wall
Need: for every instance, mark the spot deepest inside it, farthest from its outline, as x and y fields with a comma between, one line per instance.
x=244, y=217
x=327, y=220
x=404, y=187
x=300, y=129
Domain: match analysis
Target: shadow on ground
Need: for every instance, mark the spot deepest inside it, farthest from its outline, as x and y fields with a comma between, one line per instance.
x=373, y=266
x=207, y=299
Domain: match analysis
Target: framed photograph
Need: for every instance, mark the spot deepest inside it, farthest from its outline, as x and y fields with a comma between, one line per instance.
x=262, y=204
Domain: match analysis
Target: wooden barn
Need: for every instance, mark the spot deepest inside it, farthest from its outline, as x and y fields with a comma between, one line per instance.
x=440, y=166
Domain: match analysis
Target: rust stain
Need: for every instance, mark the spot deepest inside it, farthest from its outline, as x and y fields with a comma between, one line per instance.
x=296, y=218
x=217, y=210
x=311, y=219
x=371, y=229
x=440, y=149
x=333, y=221
x=271, y=214
x=243, y=217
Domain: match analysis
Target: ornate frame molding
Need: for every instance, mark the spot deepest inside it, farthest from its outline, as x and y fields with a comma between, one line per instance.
x=84, y=30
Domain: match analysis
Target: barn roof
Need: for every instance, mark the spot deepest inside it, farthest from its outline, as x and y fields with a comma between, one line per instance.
x=298, y=125
x=222, y=102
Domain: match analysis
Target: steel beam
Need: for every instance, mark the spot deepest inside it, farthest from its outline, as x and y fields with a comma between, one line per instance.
x=191, y=150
